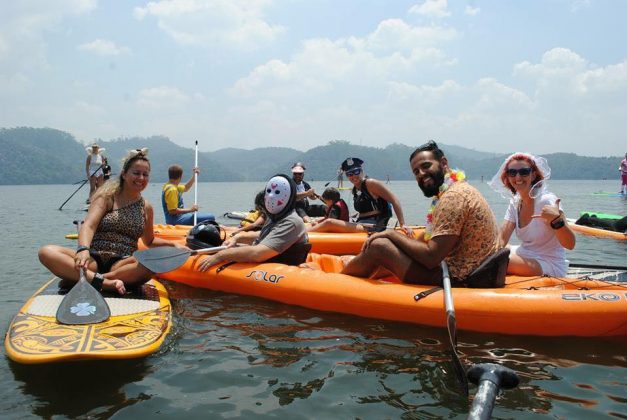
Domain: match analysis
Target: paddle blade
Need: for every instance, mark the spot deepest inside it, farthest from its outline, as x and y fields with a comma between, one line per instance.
x=83, y=305
x=162, y=259
x=166, y=258
x=457, y=364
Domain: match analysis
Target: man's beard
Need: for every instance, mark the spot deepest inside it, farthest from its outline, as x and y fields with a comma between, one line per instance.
x=438, y=180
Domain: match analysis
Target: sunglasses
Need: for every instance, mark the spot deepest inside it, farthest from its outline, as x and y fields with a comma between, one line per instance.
x=524, y=172
x=353, y=172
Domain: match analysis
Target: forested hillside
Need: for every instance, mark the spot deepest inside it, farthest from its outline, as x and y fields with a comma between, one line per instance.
x=49, y=156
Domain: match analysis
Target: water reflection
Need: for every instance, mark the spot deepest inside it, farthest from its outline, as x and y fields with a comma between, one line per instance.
x=298, y=354
x=93, y=388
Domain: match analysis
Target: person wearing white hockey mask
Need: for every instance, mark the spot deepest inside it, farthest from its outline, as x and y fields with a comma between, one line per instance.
x=283, y=238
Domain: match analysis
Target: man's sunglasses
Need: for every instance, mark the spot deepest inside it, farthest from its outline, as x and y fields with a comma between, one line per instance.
x=353, y=172
x=524, y=172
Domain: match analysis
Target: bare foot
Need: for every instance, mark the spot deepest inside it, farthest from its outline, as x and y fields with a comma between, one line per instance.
x=114, y=286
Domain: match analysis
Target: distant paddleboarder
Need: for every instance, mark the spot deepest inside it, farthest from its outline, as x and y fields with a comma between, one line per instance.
x=623, y=175
x=93, y=168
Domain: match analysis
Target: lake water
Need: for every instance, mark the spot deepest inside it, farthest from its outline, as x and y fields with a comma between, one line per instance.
x=242, y=357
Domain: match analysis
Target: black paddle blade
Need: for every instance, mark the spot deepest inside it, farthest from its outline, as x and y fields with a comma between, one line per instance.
x=82, y=305
x=162, y=259
x=457, y=364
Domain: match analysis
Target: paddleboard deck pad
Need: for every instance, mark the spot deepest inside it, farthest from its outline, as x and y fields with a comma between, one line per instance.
x=139, y=323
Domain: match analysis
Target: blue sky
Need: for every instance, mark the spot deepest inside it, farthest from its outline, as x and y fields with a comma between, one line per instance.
x=501, y=75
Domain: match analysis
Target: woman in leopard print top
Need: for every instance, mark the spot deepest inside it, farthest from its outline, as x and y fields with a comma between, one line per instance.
x=118, y=216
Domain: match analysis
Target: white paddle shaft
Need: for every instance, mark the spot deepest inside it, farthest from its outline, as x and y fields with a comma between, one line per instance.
x=195, y=181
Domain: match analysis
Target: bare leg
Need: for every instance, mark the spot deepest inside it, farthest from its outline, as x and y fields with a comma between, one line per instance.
x=336, y=226
x=382, y=253
x=92, y=186
x=60, y=261
x=130, y=272
x=523, y=266
x=99, y=182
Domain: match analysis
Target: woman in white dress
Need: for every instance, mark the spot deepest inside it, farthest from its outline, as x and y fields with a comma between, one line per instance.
x=535, y=215
x=94, y=168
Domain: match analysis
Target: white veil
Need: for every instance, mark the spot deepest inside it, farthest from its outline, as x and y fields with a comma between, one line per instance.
x=538, y=188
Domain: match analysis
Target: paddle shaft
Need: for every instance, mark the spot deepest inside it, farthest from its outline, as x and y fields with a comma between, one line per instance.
x=451, y=325
x=195, y=181
x=80, y=186
x=599, y=266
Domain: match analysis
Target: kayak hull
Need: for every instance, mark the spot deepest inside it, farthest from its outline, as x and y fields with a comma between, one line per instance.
x=540, y=306
x=321, y=243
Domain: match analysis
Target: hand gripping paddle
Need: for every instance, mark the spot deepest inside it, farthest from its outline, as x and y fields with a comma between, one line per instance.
x=166, y=258
x=83, y=304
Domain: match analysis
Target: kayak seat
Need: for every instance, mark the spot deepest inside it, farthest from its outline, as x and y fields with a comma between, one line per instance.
x=491, y=272
x=294, y=255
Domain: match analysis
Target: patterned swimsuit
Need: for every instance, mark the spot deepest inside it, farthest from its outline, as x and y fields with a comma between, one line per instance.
x=117, y=235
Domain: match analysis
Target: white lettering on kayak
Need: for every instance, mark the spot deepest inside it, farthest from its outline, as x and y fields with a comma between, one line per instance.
x=605, y=297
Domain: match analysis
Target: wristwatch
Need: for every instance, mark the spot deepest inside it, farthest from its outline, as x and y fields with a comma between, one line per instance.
x=558, y=222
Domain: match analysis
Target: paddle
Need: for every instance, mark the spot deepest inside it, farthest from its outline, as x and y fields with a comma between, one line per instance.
x=83, y=304
x=195, y=181
x=166, y=258
x=490, y=378
x=599, y=266
x=78, y=182
x=79, y=187
x=452, y=328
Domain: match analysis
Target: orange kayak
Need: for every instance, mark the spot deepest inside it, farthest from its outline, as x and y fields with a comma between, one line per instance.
x=541, y=306
x=321, y=243
x=599, y=233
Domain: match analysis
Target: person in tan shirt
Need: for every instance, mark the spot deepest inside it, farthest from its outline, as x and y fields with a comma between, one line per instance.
x=461, y=229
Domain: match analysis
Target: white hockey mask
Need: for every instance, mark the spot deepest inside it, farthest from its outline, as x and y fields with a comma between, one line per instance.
x=277, y=194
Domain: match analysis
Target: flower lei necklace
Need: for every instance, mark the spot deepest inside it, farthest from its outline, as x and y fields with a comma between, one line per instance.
x=450, y=178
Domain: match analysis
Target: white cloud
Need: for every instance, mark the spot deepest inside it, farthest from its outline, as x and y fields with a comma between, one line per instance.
x=431, y=8
x=23, y=26
x=323, y=66
x=103, y=47
x=164, y=97
x=237, y=23
x=472, y=11
x=578, y=5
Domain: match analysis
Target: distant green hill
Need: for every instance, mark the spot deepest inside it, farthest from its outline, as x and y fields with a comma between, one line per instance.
x=49, y=156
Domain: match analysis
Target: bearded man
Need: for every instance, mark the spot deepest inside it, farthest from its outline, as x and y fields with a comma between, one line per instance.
x=461, y=229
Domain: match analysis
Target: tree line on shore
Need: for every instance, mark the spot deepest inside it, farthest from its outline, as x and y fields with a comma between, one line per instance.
x=49, y=156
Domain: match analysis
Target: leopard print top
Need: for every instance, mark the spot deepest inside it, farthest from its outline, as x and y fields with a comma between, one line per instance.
x=119, y=230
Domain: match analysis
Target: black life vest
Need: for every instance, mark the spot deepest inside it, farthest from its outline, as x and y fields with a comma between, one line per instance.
x=364, y=202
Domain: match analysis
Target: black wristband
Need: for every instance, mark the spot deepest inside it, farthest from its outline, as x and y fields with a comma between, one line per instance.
x=96, y=282
x=558, y=222
x=82, y=248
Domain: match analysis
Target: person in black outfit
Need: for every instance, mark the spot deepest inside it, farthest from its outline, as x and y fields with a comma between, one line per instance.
x=106, y=169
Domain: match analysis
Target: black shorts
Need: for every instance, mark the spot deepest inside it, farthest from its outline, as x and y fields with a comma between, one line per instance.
x=105, y=262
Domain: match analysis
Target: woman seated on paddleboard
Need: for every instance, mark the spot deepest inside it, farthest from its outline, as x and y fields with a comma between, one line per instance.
x=535, y=215
x=371, y=199
x=118, y=216
x=283, y=238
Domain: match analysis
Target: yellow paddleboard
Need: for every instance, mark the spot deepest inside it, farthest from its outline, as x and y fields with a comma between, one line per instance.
x=138, y=325
x=71, y=236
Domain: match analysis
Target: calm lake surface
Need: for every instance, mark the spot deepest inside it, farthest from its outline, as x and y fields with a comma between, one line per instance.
x=230, y=356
